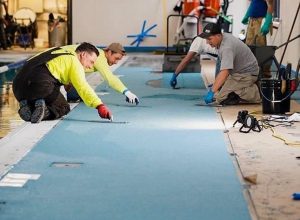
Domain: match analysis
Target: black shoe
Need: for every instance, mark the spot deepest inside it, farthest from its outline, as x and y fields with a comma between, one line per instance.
x=24, y=111
x=39, y=111
x=232, y=99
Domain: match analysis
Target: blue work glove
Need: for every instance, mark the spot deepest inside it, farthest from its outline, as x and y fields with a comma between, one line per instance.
x=173, y=81
x=245, y=19
x=209, y=96
x=266, y=26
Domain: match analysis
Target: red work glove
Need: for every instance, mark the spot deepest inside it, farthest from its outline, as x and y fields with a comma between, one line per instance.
x=104, y=112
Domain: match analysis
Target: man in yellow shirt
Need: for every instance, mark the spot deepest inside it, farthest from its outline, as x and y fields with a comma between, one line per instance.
x=107, y=57
x=37, y=85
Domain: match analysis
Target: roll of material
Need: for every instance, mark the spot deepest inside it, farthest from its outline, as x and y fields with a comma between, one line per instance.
x=3, y=69
x=11, y=66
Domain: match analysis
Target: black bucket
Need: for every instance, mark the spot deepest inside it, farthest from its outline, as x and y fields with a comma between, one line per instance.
x=273, y=100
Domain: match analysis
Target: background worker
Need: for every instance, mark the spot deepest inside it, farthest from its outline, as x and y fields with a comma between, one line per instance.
x=236, y=81
x=198, y=46
x=107, y=57
x=37, y=85
x=257, y=30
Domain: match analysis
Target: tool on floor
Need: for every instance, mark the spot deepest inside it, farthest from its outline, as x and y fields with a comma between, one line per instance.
x=95, y=121
x=248, y=122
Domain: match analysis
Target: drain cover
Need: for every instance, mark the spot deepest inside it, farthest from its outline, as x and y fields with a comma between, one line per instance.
x=66, y=164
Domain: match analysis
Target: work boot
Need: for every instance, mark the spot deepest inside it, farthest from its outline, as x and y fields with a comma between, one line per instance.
x=24, y=111
x=40, y=111
x=232, y=99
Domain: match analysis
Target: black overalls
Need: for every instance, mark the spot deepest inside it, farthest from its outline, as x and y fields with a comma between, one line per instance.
x=34, y=81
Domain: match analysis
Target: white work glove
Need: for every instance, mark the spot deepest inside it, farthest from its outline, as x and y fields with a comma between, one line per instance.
x=131, y=98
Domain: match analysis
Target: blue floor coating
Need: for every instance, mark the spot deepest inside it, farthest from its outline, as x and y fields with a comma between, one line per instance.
x=161, y=160
x=296, y=95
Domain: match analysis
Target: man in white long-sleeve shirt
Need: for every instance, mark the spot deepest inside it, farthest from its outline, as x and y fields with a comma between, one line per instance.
x=198, y=46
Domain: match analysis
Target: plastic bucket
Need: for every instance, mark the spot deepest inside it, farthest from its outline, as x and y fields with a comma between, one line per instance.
x=57, y=34
x=274, y=101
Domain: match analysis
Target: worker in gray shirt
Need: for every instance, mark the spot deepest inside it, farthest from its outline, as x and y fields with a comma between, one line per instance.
x=236, y=81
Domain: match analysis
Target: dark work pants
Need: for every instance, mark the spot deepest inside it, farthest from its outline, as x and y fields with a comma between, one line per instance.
x=33, y=83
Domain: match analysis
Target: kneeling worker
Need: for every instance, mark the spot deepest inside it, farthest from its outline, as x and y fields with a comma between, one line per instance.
x=236, y=81
x=107, y=57
x=37, y=85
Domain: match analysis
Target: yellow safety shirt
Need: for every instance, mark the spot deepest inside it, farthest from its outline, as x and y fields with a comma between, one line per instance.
x=103, y=68
x=68, y=69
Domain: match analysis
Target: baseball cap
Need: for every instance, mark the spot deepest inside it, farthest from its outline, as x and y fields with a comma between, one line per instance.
x=116, y=47
x=210, y=29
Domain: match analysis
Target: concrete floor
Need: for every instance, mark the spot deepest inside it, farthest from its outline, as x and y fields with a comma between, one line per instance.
x=269, y=166
x=272, y=165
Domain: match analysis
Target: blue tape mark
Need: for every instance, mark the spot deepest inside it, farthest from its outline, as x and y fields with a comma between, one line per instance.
x=144, y=33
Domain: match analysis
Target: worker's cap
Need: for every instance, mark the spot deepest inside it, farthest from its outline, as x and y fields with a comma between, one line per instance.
x=210, y=30
x=116, y=48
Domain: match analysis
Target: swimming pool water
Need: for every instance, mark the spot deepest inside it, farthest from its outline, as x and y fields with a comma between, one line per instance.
x=9, y=118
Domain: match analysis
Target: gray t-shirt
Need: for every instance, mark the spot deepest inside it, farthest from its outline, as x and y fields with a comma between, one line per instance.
x=236, y=56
